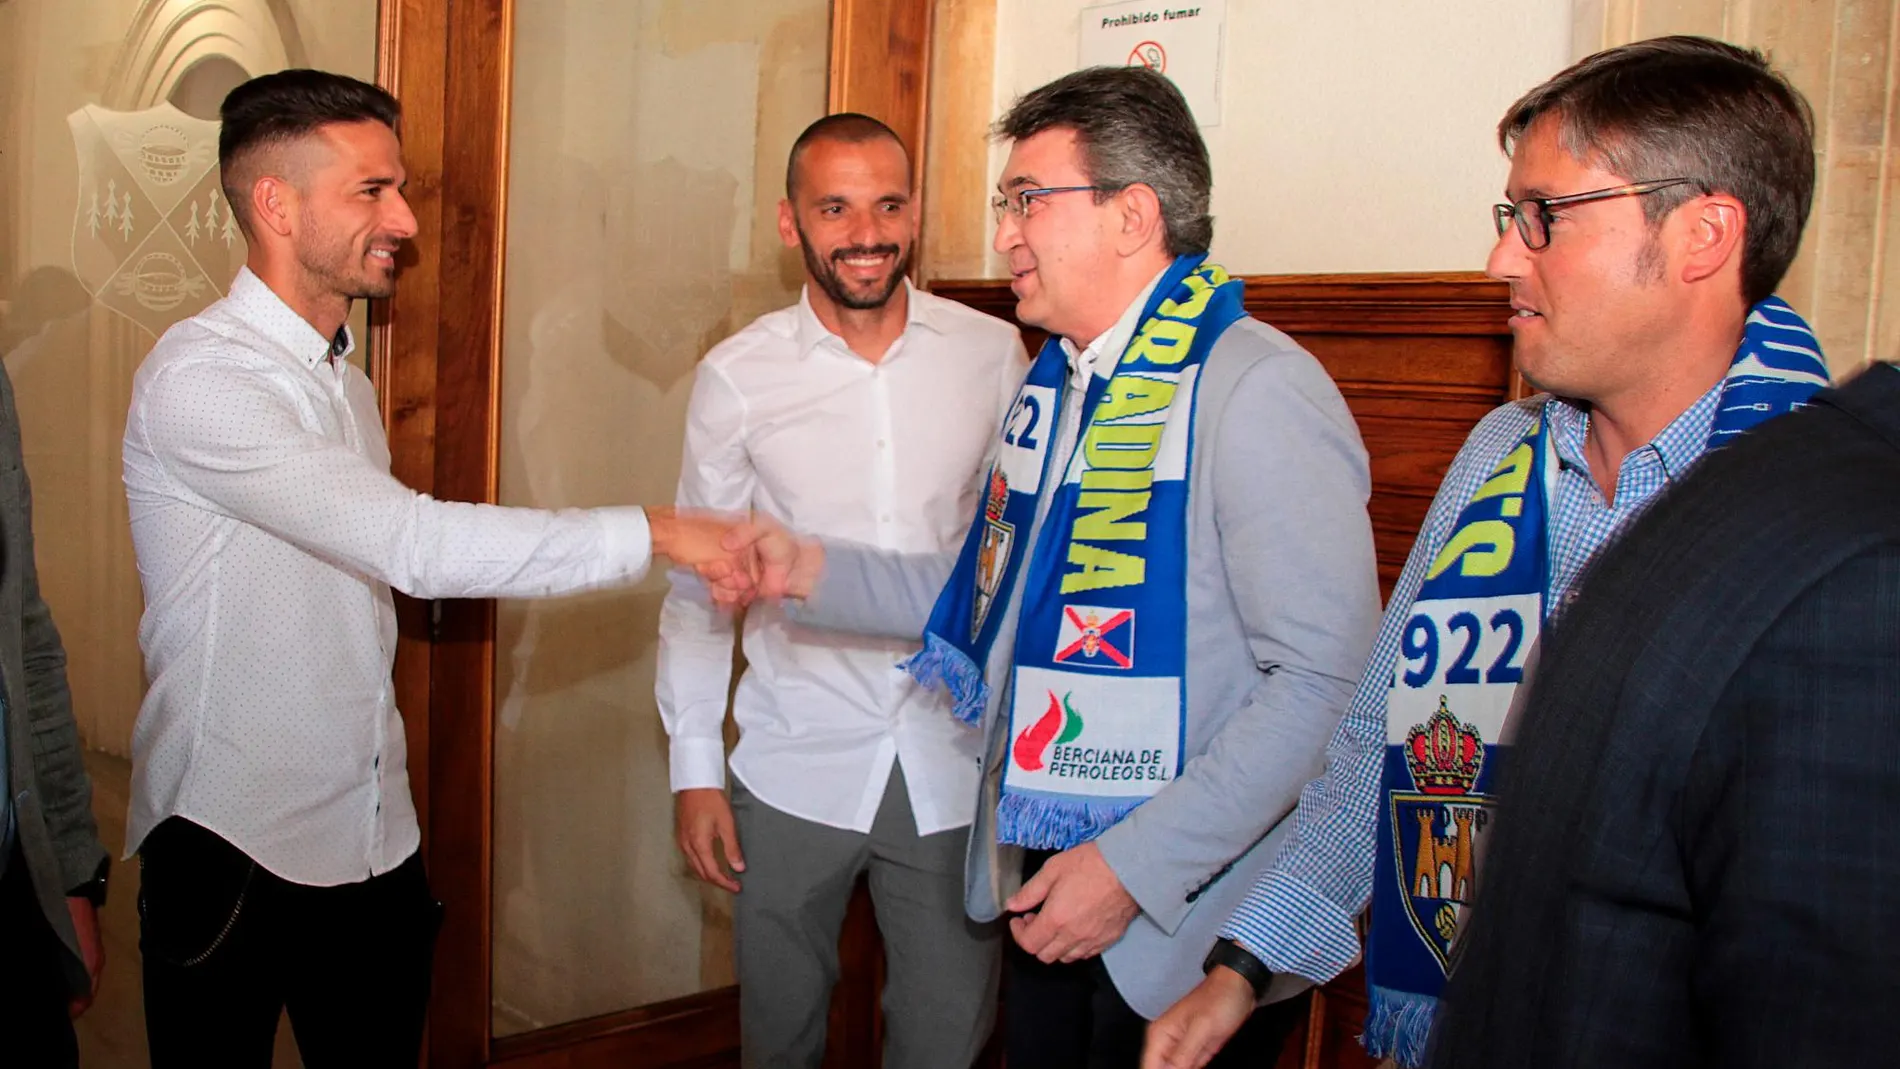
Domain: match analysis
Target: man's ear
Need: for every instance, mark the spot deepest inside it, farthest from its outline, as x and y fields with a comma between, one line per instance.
x=1713, y=228
x=1141, y=222
x=273, y=205
x=788, y=225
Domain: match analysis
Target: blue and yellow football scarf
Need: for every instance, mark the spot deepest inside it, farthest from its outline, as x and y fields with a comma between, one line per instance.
x=1477, y=613
x=1098, y=706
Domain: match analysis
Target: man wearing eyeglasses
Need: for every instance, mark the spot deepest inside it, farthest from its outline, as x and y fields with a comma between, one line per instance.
x=1657, y=195
x=1163, y=600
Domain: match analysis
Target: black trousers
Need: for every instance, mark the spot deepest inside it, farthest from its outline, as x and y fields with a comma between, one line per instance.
x=34, y=1027
x=1071, y=1017
x=228, y=947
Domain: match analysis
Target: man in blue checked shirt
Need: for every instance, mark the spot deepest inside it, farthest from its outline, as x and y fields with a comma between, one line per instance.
x=1657, y=194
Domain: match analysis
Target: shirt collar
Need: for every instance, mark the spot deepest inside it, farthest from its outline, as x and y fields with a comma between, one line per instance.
x=267, y=313
x=1113, y=341
x=1677, y=446
x=809, y=332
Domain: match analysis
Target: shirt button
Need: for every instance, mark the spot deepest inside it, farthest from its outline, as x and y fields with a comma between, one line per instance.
x=886, y=518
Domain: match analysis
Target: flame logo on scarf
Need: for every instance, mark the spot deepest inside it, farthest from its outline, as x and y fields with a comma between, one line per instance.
x=1060, y=724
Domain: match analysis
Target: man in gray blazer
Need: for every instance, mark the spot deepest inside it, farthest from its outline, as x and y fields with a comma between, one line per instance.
x=52, y=865
x=1102, y=215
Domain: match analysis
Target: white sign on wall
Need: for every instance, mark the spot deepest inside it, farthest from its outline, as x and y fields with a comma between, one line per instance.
x=1179, y=38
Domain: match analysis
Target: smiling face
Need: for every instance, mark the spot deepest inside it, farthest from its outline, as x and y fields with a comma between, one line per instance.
x=851, y=216
x=1592, y=311
x=351, y=216
x=1062, y=250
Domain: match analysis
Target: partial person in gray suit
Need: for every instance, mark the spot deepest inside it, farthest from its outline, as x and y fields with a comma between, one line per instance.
x=1114, y=903
x=52, y=865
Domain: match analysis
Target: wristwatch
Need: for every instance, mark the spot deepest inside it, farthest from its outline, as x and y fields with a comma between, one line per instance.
x=1238, y=958
x=94, y=890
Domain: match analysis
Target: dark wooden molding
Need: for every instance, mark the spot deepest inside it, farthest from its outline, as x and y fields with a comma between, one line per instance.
x=1454, y=303
x=700, y=1029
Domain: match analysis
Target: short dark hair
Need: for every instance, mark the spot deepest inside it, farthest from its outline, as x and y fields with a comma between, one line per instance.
x=1133, y=126
x=272, y=109
x=846, y=127
x=1690, y=107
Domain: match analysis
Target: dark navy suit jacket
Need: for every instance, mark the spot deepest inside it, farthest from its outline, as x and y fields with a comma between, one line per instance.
x=1697, y=855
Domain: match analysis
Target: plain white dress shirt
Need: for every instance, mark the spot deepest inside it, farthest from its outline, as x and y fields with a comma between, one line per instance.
x=269, y=532
x=786, y=419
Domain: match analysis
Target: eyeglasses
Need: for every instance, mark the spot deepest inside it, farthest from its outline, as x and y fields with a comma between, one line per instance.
x=1017, y=203
x=1533, y=213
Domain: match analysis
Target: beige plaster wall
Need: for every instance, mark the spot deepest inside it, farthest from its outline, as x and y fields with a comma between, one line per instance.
x=1355, y=135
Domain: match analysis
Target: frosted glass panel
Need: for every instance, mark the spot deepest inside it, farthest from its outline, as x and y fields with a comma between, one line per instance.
x=112, y=228
x=646, y=160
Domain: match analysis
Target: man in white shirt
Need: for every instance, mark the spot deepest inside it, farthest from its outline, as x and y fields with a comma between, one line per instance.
x=865, y=411
x=1167, y=594
x=270, y=800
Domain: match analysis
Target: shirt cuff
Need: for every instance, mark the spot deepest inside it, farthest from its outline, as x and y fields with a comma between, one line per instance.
x=1293, y=929
x=626, y=543
x=695, y=764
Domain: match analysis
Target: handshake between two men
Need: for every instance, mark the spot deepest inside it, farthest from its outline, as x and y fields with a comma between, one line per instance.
x=740, y=557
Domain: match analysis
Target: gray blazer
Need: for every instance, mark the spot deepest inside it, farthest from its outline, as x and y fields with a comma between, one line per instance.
x=52, y=798
x=1283, y=601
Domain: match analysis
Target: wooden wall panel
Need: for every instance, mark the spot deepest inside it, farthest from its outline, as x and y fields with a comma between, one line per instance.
x=880, y=66
x=956, y=189
x=410, y=65
x=1419, y=359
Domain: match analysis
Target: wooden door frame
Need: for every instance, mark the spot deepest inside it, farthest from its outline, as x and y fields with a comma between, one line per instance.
x=437, y=363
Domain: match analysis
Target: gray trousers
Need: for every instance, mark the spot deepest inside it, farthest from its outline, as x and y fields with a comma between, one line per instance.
x=941, y=968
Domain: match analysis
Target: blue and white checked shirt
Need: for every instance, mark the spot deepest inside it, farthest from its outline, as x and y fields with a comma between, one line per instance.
x=1300, y=916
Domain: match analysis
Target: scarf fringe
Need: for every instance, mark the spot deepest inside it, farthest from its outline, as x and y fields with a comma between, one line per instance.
x=1047, y=822
x=1398, y=1023
x=940, y=661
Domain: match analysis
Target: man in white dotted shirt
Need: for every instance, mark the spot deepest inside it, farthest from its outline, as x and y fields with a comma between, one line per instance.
x=864, y=411
x=270, y=802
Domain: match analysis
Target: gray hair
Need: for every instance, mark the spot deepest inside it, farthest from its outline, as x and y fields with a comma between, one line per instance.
x=1133, y=126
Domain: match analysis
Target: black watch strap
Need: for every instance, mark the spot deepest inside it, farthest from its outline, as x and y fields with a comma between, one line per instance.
x=1236, y=957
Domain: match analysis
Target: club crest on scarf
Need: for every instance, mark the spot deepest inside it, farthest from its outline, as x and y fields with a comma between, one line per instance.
x=992, y=553
x=1437, y=826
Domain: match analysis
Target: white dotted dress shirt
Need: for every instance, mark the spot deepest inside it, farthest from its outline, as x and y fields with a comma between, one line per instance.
x=269, y=533
x=785, y=418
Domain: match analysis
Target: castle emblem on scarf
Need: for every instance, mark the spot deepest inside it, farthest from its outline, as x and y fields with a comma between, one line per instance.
x=1437, y=825
x=1097, y=637
x=992, y=554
